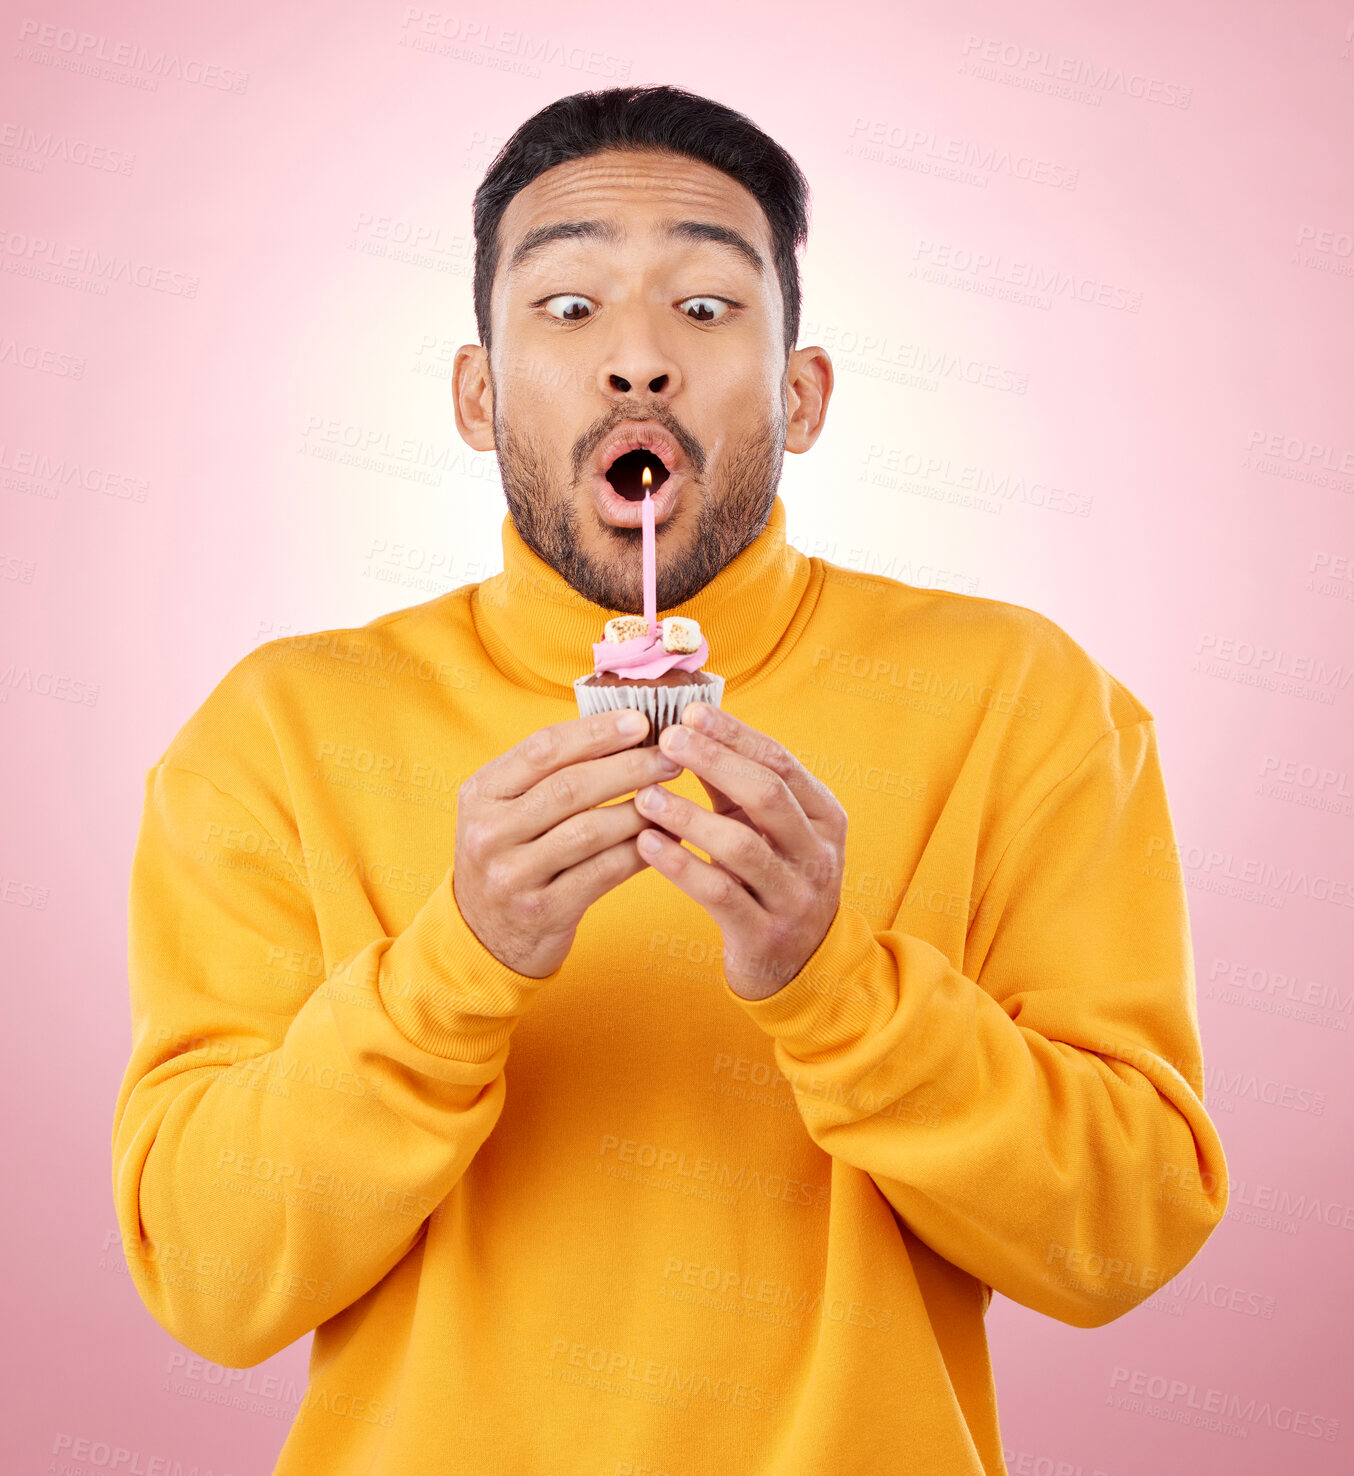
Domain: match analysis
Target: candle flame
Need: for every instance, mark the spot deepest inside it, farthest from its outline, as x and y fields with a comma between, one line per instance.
x=646, y=479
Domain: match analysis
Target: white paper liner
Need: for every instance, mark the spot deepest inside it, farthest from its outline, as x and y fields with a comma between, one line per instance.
x=661, y=705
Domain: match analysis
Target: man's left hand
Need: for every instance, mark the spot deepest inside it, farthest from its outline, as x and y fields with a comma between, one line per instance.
x=776, y=839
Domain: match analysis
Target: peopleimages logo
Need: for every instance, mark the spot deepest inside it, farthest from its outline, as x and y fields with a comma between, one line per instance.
x=103, y=1455
x=1169, y=860
x=66, y=49
x=1179, y=1398
x=449, y=34
x=1049, y=66
x=65, y=262
x=42, y=144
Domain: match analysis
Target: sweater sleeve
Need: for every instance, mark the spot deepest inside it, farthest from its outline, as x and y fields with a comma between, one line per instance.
x=1039, y=1124
x=280, y=1136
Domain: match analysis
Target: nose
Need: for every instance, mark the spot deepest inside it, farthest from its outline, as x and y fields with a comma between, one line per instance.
x=636, y=361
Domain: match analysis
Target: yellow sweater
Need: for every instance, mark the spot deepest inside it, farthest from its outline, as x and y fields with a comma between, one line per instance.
x=621, y=1220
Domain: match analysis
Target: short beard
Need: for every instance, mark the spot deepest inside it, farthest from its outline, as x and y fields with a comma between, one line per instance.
x=728, y=519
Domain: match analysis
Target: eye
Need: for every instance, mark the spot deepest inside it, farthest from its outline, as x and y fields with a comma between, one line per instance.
x=711, y=309
x=570, y=313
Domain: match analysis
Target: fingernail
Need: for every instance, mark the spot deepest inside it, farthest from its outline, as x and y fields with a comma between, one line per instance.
x=677, y=737
x=668, y=766
x=653, y=798
x=631, y=722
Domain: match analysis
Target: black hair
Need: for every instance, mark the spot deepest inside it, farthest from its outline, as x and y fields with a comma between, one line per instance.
x=657, y=117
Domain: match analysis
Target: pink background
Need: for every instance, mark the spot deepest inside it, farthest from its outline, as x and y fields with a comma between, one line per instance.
x=1166, y=469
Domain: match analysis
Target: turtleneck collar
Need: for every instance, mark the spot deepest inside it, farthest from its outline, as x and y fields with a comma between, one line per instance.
x=539, y=631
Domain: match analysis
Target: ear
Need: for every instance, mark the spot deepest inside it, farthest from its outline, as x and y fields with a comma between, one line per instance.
x=808, y=388
x=473, y=397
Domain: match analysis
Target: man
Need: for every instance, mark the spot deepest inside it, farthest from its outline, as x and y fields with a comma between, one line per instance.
x=582, y=1149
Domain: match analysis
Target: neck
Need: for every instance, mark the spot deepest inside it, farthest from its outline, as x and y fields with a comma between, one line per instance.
x=540, y=631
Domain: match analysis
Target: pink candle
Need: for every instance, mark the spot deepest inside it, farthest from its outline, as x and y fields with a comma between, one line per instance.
x=650, y=580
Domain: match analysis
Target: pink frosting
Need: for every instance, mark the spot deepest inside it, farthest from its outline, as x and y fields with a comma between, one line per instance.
x=644, y=656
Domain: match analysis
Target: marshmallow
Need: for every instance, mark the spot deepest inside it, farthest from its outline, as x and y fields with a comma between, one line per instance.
x=681, y=635
x=625, y=628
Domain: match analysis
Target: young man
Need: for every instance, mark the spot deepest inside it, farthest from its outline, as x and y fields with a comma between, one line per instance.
x=581, y=1156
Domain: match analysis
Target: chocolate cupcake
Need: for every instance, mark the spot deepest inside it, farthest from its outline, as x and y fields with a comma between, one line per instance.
x=655, y=671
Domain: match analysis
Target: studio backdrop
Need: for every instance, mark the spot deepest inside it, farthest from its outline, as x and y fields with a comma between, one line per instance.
x=1086, y=278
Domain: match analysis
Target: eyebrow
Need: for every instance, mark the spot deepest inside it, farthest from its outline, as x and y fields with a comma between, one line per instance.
x=613, y=235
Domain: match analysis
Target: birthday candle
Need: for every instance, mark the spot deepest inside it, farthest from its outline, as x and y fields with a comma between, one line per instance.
x=650, y=581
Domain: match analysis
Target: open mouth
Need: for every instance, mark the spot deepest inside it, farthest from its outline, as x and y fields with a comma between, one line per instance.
x=626, y=473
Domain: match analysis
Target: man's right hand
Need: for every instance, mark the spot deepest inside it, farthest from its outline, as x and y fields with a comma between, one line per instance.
x=536, y=845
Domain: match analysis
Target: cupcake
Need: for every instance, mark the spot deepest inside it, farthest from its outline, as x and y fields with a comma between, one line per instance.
x=655, y=668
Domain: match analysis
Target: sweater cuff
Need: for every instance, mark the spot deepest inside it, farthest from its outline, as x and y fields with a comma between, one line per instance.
x=444, y=990
x=835, y=999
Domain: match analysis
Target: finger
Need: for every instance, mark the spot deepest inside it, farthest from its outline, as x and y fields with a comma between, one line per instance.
x=576, y=889
x=577, y=838
x=540, y=753
x=815, y=798
x=720, y=803
x=731, y=844
x=723, y=896
x=765, y=797
x=578, y=788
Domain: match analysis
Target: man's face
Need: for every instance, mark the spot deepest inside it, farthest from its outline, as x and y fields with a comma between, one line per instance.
x=620, y=322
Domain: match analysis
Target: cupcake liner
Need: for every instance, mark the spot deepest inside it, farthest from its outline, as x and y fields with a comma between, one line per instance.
x=661, y=705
